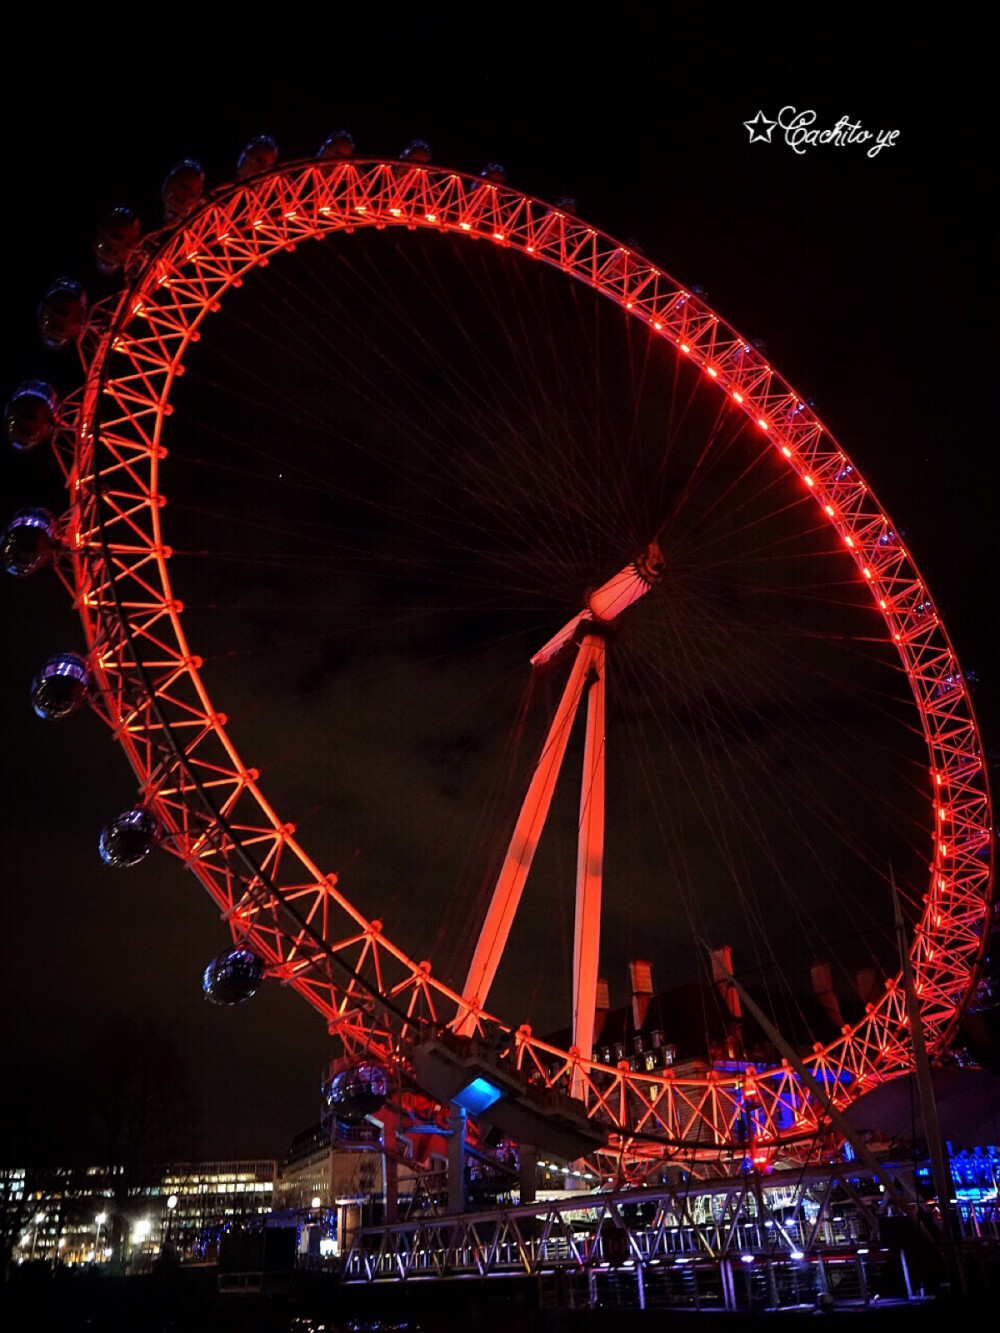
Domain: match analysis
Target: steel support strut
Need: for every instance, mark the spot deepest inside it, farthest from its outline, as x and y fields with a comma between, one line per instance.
x=587, y=632
x=523, y=843
x=589, y=862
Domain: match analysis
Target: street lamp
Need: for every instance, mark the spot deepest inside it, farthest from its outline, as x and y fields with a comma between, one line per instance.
x=99, y=1221
x=171, y=1205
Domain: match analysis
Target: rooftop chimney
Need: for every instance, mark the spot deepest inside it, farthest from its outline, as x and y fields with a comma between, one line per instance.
x=602, y=1003
x=722, y=970
x=822, y=984
x=640, y=975
x=866, y=985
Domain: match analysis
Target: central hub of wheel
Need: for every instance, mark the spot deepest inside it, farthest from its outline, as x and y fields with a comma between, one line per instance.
x=606, y=603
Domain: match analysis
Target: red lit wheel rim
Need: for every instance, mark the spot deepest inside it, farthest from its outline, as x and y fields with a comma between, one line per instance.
x=219, y=822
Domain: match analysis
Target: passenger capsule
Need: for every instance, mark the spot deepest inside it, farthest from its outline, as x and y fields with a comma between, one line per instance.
x=494, y=172
x=129, y=837
x=566, y=204
x=356, y=1092
x=182, y=189
x=117, y=236
x=417, y=151
x=30, y=414
x=233, y=977
x=61, y=686
x=27, y=542
x=260, y=154
x=339, y=144
x=62, y=313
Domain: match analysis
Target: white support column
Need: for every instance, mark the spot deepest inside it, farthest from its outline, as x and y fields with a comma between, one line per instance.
x=456, y=1159
x=590, y=862
x=524, y=843
x=604, y=605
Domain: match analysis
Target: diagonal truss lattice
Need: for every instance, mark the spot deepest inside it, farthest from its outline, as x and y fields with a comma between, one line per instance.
x=218, y=821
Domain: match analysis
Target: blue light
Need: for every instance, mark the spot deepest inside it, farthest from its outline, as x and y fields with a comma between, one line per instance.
x=478, y=1095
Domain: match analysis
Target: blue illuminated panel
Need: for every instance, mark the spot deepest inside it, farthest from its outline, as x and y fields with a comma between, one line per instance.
x=478, y=1095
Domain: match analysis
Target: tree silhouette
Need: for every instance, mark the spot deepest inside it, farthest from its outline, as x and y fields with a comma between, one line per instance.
x=37, y=1127
x=140, y=1114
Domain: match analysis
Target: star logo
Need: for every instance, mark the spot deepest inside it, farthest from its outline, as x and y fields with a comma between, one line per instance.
x=760, y=128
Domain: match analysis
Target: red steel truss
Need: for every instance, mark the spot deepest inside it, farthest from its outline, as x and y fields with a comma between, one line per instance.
x=217, y=820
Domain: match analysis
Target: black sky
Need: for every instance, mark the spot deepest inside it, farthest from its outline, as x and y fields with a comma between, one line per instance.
x=871, y=280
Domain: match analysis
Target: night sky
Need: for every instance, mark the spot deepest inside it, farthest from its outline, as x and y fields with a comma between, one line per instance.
x=870, y=279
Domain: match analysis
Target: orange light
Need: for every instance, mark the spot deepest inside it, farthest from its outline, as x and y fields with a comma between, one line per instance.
x=530, y=249
x=499, y=236
x=784, y=448
x=762, y=424
x=684, y=347
x=466, y=226
x=849, y=541
x=657, y=324
x=867, y=572
x=829, y=509
x=431, y=217
x=712, y=371
x=361, y=208
x=738, y=396
x=810, y=481
x=396, y=212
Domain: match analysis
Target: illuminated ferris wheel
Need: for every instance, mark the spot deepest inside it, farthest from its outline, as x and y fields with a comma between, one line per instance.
x=290, y=918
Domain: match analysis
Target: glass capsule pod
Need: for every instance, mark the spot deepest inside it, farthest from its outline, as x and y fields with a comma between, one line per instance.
x=129, y=837
x=356, y=1092
x=62, y=313
x=60, y=688
x=30, y=414
x=117, y=236
x=419, y=150
x=494, y=172
x=339, y=144
x=27, y=542
x=234, y=976
x=182, y=189
x=260, y=154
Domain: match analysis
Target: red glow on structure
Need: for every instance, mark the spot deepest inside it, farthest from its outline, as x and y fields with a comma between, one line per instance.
x=195, y=266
